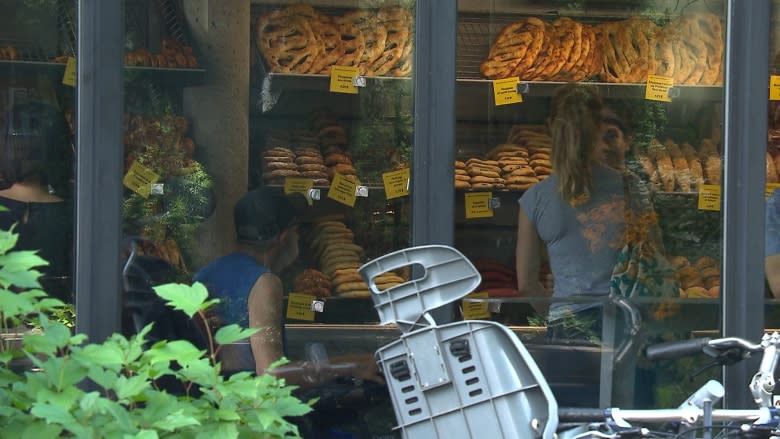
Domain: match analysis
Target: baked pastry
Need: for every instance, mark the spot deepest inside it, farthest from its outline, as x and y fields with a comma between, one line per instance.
x=515, y=48
x=287, y=42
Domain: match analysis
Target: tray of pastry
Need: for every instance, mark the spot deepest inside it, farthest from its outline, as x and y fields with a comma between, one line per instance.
x=547, y=48
x=300, y=39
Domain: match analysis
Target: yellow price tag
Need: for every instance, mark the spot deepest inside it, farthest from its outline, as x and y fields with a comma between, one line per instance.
x=341, y=79
x=657, y=88
x=475, y=310
x=342, y=190
x=709, y=197
x=396, y=183
x=478, y=205
x=299, y=307
x=505, y=91
x=770, y=188
x=69, y=78
x=774, y=88
x=294, y=185
x=140, y=179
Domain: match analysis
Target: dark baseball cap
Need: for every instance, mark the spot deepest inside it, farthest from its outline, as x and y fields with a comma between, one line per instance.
x=262, y=214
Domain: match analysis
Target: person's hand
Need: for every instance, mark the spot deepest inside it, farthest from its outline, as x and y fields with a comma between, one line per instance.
x=366, y=369
x=362, y=367
x=547, y=282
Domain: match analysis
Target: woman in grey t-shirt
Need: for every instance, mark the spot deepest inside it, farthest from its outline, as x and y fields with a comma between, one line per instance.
x=578, y=216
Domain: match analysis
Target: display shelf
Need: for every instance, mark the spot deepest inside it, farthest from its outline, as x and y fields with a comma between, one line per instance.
x=476, y=88
x=605, y=299
x=179, y=77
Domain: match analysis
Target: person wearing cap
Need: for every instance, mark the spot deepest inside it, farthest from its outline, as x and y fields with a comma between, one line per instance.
x=36, y=170
x=251, y=293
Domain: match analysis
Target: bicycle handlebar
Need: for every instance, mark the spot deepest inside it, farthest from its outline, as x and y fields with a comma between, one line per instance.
x=676, y=349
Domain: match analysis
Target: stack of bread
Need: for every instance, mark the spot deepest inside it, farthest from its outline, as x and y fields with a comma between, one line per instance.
x=279, y=163
x=672, y=167
x=539, y=146
x=339, y=257
x=300, y=39
x=516, y=170
x=688, y=49
x=312, y=282
x=311, y=164
x=332, y=138
x=462, y=178
x=484, y=174
x=698, y=279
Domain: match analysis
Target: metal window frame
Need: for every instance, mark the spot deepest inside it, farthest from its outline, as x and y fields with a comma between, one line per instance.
x=99, y=107
x=746, y=91
x=433, y=203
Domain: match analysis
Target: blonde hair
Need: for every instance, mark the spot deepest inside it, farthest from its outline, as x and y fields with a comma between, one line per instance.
x=574, y=123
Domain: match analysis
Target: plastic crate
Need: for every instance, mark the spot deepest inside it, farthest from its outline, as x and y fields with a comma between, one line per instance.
x=459, y=380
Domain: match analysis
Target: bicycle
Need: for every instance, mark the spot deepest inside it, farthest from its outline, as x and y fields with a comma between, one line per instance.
x=476, y=379
x=697, y=413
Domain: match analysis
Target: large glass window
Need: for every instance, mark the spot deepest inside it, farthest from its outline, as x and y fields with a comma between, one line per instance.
x=603, y=120
x=37, y=151
x=279, y=141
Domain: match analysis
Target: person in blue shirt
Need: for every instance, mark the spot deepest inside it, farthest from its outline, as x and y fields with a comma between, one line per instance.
x=251, y=293
x=772, y=243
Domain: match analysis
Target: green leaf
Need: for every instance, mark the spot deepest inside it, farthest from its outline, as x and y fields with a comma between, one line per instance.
x=226, y=415
x=23, y=260
x=66, y=398
x=8, y=239
x=39, y=430
x=127, y=388
x=233, y=333
x=108, y=355
x=144, y=434
x=180, y=350
x=52, y=413
x=222, y=430
x=22, y=279
x=183, y=297
x=88, y=402
x=118, y=413
x=15, y=305
x=175, y=421
x=102, y=377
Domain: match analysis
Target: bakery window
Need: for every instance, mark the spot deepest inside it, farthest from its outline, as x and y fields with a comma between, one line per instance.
x=658, y=74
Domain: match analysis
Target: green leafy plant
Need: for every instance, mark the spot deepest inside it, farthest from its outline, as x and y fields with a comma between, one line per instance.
x=55, y=384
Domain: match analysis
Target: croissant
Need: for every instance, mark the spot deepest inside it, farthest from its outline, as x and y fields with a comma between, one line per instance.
x=712, y=169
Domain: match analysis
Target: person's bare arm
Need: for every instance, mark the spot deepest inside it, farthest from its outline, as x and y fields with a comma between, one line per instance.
x=265, y=313
x=528, y=257
x=772, y=269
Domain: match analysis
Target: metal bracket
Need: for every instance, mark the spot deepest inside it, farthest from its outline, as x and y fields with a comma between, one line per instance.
x=314, y=194
x=522, y=87
x=674, y=92
x=361, y=191
x=268, y=98
x=359, y=81
x=494, y=203
x=318, y=306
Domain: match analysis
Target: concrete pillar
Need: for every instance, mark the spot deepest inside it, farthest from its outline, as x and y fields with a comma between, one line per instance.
x=219, y=112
